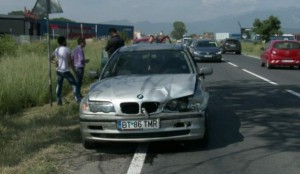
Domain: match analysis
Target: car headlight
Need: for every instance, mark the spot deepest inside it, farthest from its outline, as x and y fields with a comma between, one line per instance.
x=97, y=106
x=219, y=52
x=177, y=105
x=197, y=52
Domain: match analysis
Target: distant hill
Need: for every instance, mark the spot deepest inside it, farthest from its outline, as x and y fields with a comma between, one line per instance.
x=289, y=17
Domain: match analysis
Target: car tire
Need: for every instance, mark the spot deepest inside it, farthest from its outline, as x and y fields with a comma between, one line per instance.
x=88, y=144
x=262, y=64
x=203, y=142
x=268, y=65
x=238, y=52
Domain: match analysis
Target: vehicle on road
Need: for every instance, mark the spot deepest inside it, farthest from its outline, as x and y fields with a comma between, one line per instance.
x=281, y=53
x=206, y=50
x=231, y=45
x=145, y=93
x=185, y=41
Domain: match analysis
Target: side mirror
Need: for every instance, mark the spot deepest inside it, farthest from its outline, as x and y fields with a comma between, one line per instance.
x=205, y=71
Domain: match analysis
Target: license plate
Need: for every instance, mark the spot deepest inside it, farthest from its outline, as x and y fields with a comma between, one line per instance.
x=287, y=61
x=208, y=56
x=138, y=124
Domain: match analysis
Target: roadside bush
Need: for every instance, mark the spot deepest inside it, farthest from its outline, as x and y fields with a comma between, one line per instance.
x=8, y=45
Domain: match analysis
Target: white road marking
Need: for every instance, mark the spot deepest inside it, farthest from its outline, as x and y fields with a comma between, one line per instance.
x=232, y=64
x=293, y=92
x=267, y=80
x=138, y=159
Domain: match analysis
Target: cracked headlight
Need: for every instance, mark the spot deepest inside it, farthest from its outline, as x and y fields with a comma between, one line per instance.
x=97, y=106
x=197, y=102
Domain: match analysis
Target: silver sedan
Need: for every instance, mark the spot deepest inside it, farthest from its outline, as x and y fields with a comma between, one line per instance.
x=146, y=92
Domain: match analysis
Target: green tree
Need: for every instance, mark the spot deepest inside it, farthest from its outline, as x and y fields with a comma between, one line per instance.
x=267, y=28
x=179, y=30
x=16, y=13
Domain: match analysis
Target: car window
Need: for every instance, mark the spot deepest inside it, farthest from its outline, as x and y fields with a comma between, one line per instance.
x=286, y=45
x=148, y=62
x=206, y=44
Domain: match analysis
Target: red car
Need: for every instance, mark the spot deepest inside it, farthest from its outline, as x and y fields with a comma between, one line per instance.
x=281, y=53
x=160, y=39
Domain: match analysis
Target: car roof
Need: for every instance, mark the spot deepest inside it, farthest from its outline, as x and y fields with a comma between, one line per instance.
x=150, y=47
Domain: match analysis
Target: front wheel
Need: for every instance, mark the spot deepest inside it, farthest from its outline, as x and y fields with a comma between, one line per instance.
x=203, y=142
x=88, y=144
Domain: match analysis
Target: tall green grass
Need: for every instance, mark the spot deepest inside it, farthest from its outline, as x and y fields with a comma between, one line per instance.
x=25, y=75
x=252, y=48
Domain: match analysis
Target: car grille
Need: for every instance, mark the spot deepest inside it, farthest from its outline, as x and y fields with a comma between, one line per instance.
x=134, y=108
x=143, y=135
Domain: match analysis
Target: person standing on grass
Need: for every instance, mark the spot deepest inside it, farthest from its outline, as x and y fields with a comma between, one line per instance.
x=63, y=65
x=79, y=61
x=114, y=42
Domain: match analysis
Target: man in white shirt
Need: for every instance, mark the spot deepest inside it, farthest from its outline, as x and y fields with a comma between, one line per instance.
x=63, y=64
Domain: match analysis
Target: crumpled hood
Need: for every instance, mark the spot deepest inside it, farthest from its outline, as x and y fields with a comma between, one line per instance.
x=152, y=87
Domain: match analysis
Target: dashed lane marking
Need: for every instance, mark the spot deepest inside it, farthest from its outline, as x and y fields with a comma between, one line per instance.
x=138, y=159
x=258, y=76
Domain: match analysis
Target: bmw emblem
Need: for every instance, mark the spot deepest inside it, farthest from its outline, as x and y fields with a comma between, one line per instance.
x=140, y=96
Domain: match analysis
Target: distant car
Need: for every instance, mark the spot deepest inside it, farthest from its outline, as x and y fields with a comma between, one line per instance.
x=206, y=50
x=145, y=93
x=281, y=53
x=157, y=39
x=231, y=45
x=185, y=41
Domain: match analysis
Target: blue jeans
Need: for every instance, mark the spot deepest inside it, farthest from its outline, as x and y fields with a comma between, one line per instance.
x=79, y=76
x=70, y=78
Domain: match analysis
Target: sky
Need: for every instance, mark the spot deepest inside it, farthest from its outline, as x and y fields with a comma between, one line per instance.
x=155, y=11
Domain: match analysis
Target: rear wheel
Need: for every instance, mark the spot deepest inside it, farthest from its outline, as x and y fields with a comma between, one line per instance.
x=268, y=65
x=262, y=64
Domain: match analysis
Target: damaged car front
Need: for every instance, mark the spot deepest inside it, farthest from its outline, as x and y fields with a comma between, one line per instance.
x=146, y=93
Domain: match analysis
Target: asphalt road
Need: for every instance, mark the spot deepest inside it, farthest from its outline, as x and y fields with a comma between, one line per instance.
x=254, y=129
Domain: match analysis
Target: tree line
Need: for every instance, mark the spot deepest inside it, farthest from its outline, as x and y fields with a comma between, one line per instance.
x=265, y=28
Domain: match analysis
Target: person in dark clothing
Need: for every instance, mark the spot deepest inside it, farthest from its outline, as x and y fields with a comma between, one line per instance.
x=114, y=42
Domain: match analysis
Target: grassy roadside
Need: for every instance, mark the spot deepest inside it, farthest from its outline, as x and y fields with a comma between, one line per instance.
x=32, y=140
x=250, y=48
x=36, y=139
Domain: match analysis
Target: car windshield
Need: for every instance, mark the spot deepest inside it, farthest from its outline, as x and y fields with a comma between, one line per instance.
x=286, y=45
x=206, y=44
x=148, y=62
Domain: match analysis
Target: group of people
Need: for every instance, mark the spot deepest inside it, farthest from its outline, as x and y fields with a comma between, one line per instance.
x=67, y=60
